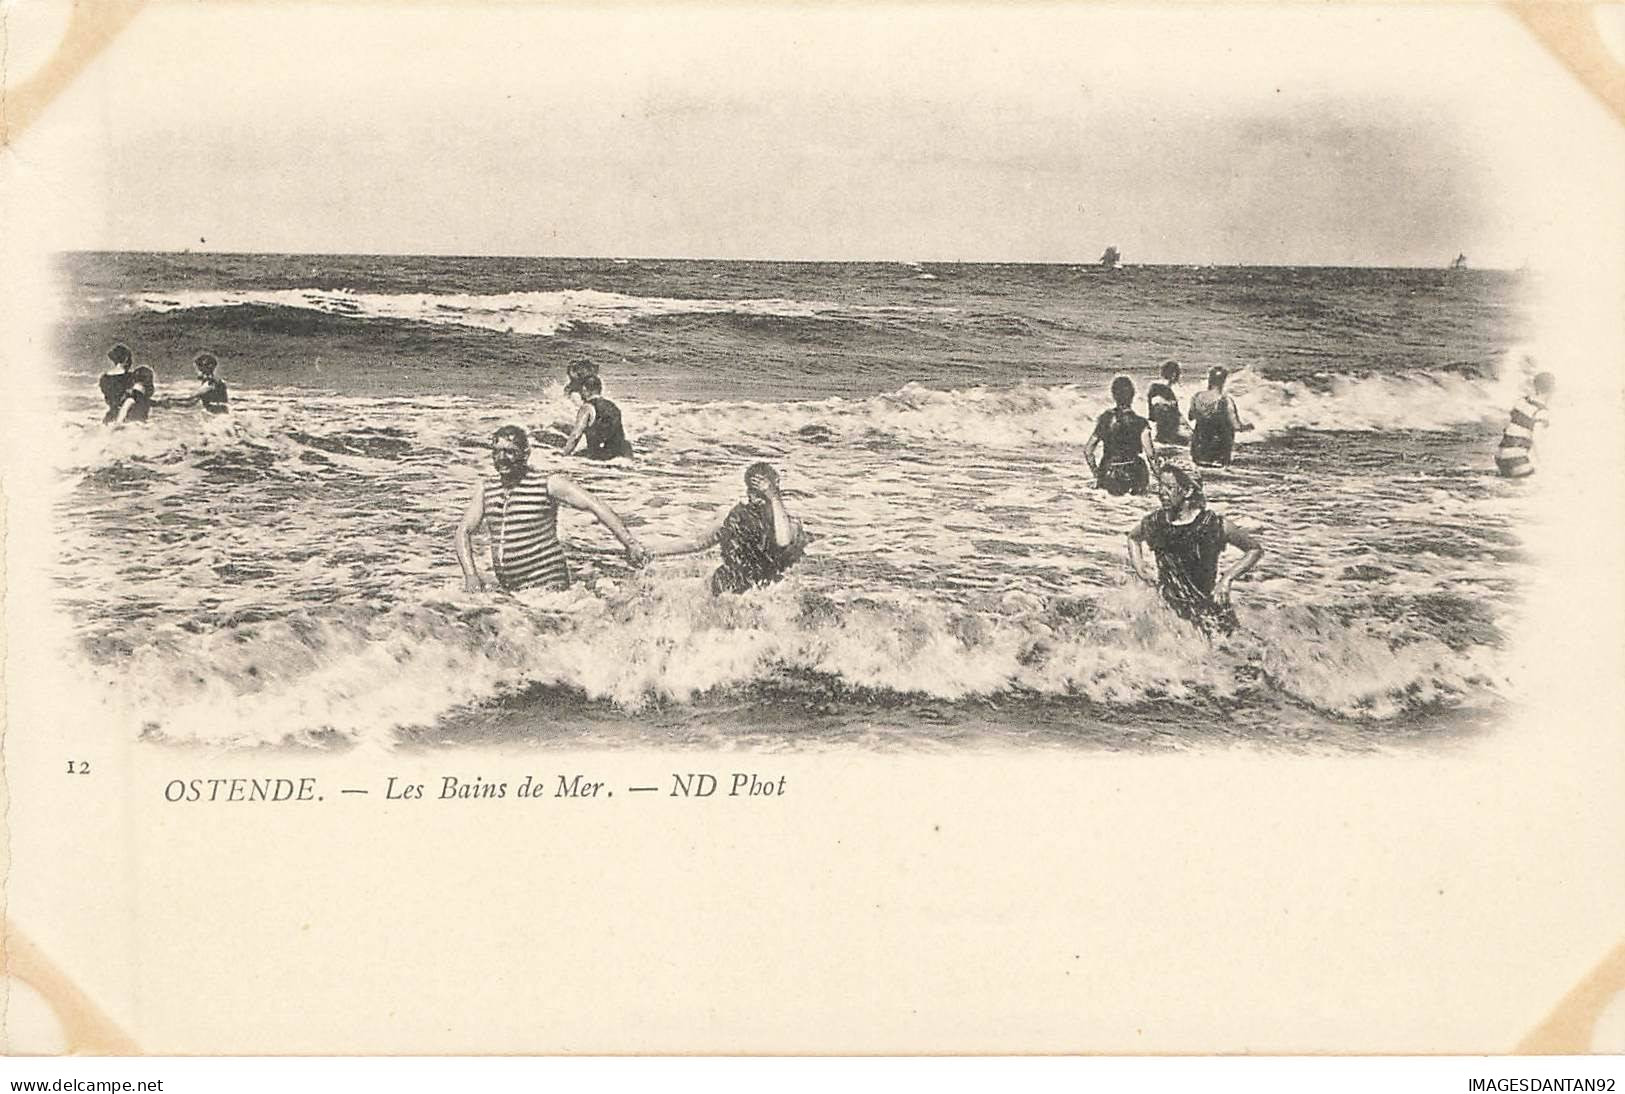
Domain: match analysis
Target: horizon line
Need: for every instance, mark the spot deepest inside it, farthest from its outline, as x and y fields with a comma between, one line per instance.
x=798, y=261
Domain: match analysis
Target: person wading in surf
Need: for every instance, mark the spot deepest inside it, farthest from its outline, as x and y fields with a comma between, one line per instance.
x=126, y=387
x=598, y=422
x=760, y=539
x=1127, y=455
x=1215, y=422
x=211, y=390
x=1514, y=456
x=1187, y=539
x=1162, y=405
x=521, y=505
x=116, y=380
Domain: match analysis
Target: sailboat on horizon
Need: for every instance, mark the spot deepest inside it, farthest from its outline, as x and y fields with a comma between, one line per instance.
x=1460, y=263
x=1111, y=258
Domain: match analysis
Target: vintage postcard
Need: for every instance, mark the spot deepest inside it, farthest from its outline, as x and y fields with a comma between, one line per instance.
x=813, y=528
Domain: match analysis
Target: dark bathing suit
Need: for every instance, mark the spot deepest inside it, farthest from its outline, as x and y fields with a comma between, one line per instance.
x=749, y=556
x=214, y=400
x=1122, y=462
x=525, y=549
x=140, y=382
x=1213, y=438
x=114, y=385
x=1164, y=416
x=1188, y=566
x=605, y=439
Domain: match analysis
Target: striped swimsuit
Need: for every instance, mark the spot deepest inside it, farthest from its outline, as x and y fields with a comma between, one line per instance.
x=524, y=519
x=1512, y=456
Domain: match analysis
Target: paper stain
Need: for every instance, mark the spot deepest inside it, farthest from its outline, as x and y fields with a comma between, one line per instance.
x=85, y=1030
x=1572, y=1026
x=91, y=26
x=1570, y=33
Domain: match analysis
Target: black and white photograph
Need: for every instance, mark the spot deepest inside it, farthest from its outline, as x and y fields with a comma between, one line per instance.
x=679, y=445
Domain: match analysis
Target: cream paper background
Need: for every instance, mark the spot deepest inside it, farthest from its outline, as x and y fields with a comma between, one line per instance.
x=1436, y=898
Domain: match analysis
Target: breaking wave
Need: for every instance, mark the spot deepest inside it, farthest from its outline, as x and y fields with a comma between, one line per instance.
x=1065, y=414
x=534, y=313
x=364, y=675
x=298, y=426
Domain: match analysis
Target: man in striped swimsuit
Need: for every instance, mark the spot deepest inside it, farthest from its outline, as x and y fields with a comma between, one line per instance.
x=1512, y=457
x=521, y=505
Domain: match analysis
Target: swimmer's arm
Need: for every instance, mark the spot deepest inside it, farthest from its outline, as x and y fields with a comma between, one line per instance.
x=694, y=544
x=128, y=399
x=583, y=420
x=473, y=517
x=784, y=525
x=1136, y=555
x=182, y=400
x=1235, y=416
x=1147, y=448
x=1089, y=447
x=568, y=492
x=140, y=386
x=1242, y=540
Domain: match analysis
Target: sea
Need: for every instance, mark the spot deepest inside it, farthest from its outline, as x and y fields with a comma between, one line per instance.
x=284, y=576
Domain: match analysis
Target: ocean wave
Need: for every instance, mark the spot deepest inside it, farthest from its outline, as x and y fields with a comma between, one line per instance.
x=1424, y=400
x=363, y=675
x=533, y=313
x=1025, y=417
x=304, y=428
x=275, y=442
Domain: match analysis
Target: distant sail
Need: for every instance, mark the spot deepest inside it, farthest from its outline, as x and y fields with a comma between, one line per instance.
x=1111, y=259
x=1460, y=263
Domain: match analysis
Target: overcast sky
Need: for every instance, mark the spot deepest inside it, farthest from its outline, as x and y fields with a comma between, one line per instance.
x=1372, y=136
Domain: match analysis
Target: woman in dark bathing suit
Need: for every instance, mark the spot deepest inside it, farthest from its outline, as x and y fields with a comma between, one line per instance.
x=1187, y=538
x=210, y=394
x=127, y=387
x=598, y=422
x=1124, y=438
x=1162, y=406
x=759, y=538
x=1215, y=422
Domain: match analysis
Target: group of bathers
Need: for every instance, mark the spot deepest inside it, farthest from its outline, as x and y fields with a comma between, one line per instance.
x=759, y=538
x=131, y=390
x=1126, y=440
